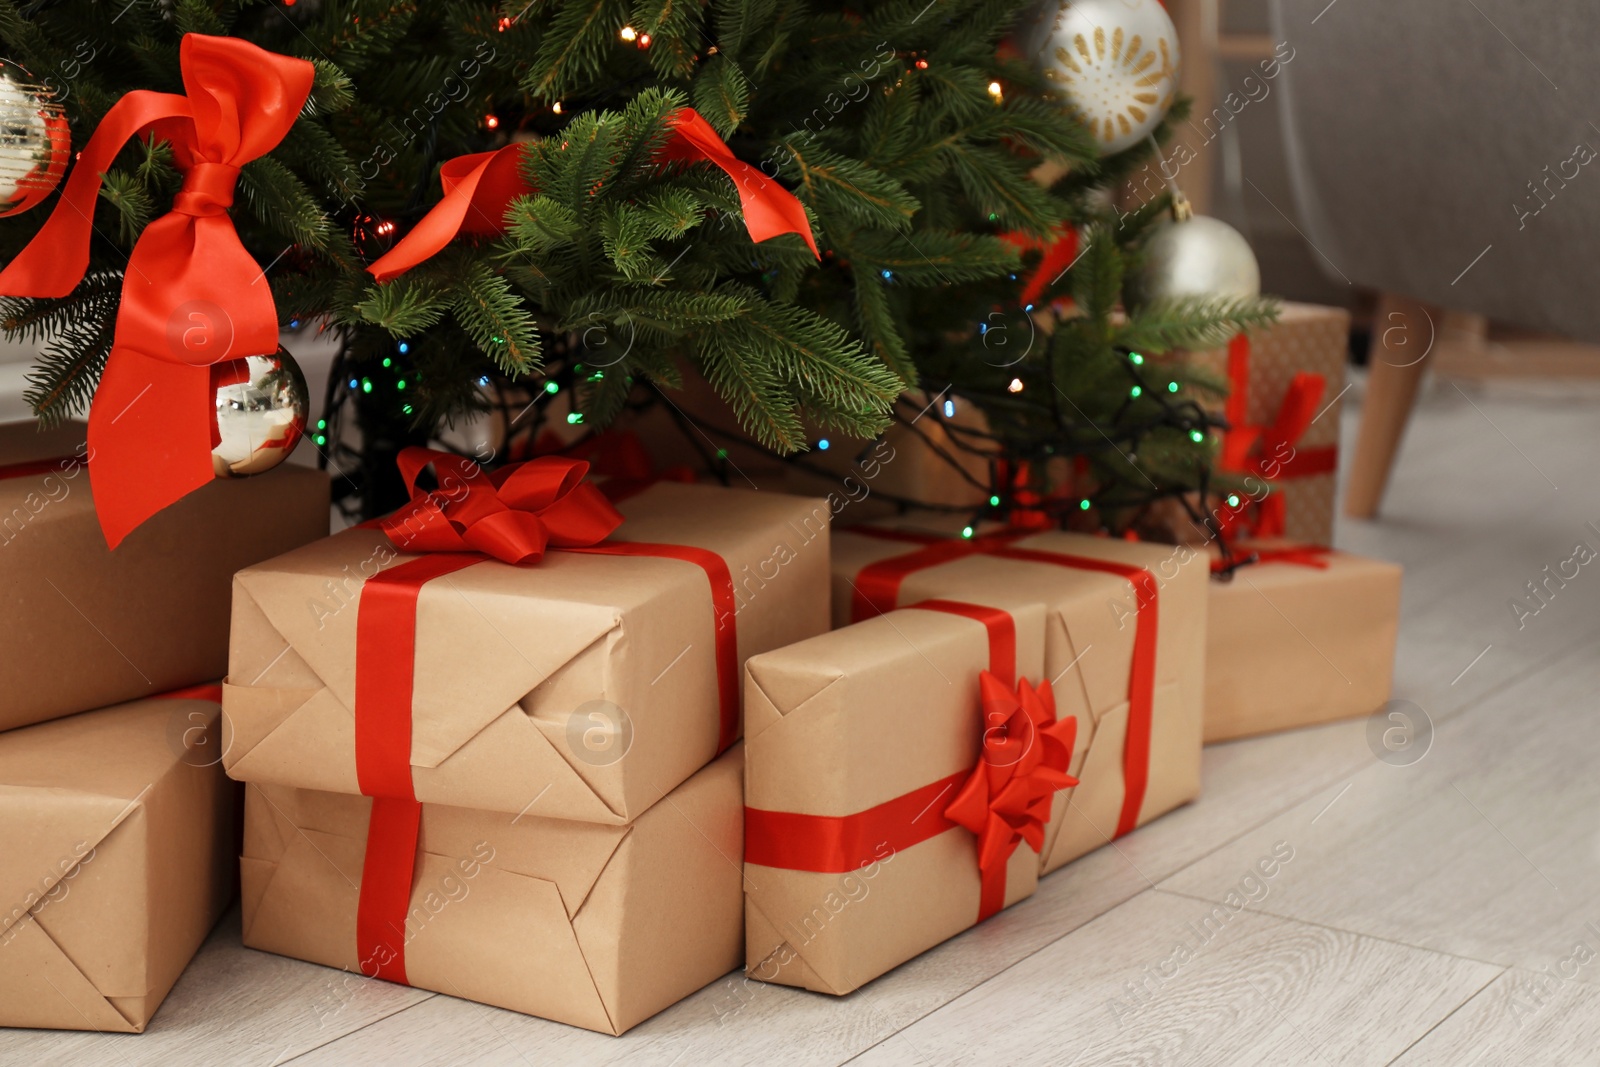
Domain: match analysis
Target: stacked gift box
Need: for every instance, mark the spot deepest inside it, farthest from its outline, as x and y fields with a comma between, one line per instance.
x=117, y=825
x=513, y=774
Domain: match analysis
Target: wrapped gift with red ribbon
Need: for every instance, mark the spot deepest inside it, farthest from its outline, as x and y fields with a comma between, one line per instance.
x=509, y=647
x=900, y=776
x=1124, y=652
x=85, y=627
x=1286, y=381
x=1298, y=634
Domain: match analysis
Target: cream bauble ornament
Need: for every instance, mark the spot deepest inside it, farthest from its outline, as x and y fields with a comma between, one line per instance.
x=1194, y=255
x=261, y=413
x=34, y=140
x=1114, y=62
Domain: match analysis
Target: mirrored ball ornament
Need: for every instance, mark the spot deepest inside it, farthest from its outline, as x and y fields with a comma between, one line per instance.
x=261, y=413
x=1114, y=62
x=1199, y=256
x=34, y=140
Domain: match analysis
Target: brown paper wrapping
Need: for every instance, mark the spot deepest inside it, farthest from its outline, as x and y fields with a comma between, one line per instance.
x=845, y=722
x=1292, y=646
x=117, y=832
x=597, y=926
x=583, y=687
x=1089, y=633
x=1305, y=338
x=84, y=627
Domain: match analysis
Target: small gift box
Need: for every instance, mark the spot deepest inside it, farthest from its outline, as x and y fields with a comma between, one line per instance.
x=84, y=626
x=1300, y=636
x=117, y=829
x=899, y=774
x=585, y=687
x=595, y=925
x=1124, y=653
x=1286, y=381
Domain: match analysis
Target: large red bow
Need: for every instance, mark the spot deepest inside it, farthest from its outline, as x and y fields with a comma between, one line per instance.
x=1269, y=451
x=512, y=514
x=1007, y=798
x=192, y=296
x=479, y=188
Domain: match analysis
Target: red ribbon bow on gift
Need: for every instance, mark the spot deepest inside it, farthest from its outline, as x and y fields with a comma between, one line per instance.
x=512, y=514
x=192, y=296
x=479, y=188
x=1006, y=799
x=1270, y=451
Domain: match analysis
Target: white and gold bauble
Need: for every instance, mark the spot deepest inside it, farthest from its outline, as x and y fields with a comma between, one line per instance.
x=34, y=140
x=1196, y=255
x=261, y=404
x=1114, y=62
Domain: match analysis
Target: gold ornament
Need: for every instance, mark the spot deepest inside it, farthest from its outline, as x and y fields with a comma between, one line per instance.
x=261, y=413
x=34, y=140
x=1114, y=61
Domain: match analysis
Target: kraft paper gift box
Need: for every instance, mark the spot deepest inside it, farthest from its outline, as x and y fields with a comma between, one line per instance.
x=117, y=832
x=586, y=685
x=83, y=626
x=1304, y=635
x=594, y=925
x=1289, y=428
x=1113, y=655
x=876, y=756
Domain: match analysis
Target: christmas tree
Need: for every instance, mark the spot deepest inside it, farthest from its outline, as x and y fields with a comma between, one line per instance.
x=912, y=133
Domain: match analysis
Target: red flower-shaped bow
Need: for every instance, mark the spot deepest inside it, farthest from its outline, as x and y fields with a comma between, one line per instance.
x=1007, y=798
x=479, y=188
x=512, y=514
x=191, y=296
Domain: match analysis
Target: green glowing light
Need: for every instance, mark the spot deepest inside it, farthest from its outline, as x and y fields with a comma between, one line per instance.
x=994, y=502
x=551, y=387
x=1136, y=359
x=1233, y=500
x=1083, y=505
x=1136, y=392
x=1172, y=387
x=366, y=385
x=401, y=384
x=322, y=424
x=387, y=362
x=966, y=531
x=1196, y=436
x=406, y=409
x=574, y=418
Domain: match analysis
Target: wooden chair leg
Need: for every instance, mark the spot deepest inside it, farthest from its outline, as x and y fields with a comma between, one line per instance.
x=1404, y=333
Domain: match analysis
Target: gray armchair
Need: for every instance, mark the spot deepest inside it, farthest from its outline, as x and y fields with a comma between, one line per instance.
x=1446, y=153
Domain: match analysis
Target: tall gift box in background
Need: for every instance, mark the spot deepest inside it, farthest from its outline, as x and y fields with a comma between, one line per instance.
x=898, y=775
x=83, y=626
x=117, y=852
x=1124, y=652
x=554, y=705
x=1301, y=636
x=1286, y=383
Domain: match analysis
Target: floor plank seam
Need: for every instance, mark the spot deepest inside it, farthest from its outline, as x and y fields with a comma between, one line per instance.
x=1446, y=1018
x=370, y=1022
x=940, y=1007
x=1342, y=930
x=1547, y=662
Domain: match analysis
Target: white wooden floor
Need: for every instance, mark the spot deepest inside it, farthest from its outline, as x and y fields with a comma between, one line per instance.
x=1444, y=912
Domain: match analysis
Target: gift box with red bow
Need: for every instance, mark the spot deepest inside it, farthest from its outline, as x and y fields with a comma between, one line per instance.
x=1286, y=381
x=117, y=832
x=1124, y=652
x=594, y=925
x=510, y=642
x=1298, y=635
x=900, y=774
x=84, y=626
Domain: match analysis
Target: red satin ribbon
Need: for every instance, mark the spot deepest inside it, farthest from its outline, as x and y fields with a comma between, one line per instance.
x=878, y=589
x=1270, y=451
x=1004, y=800
x=515, y=515
x=211, y=692
x=479, y=188
x=1059, y=254
x=1315, y=556
x=191, y=295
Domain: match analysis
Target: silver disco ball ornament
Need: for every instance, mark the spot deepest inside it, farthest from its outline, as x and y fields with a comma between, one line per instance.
x=262, y=404
x=35, y=142
x=1198, y=256
x=1113, y=62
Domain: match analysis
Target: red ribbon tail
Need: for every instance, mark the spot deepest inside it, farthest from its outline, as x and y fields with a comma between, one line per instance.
x=386, y=875
x=149, y=439
x=769, y=209
x=464, y=208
